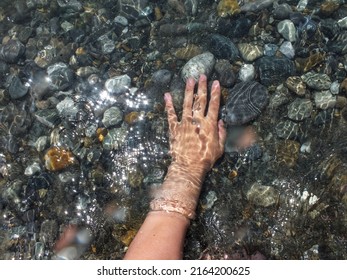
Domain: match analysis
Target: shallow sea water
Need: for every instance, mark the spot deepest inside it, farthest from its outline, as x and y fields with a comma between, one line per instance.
x=84, y=136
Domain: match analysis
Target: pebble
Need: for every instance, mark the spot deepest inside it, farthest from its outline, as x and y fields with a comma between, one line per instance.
x=257, y=5
x=60, y=76
x=115, y=138
x=300, y=109
x=287, y=152
x=247, y=73
x=317, y=81
x=222, y=47
x=228, y=8
x=250, y=51
x=225, y=73
x=32, y=169
x=335, y=87
x=282, y=11
x=200, y=64
x=324, y=99
x=287, y=49
x=288, y=129
x=118, y=85
x=12, y=51
x=341, y=102
x=264, y=196
x=234, y=28
x=16, y=88
x=274, y=70
x=342, y=23
x=296, y=84
x=280, y=97
x=112, y=116
x=270, y=49
x=188, y=52
x=49, y=117
x=67, y=108
x=45, y=57
x=42, y=143
x=323, y=117
x=287, y=29
x=306, y=147
x=57, y=158
x=245, y=102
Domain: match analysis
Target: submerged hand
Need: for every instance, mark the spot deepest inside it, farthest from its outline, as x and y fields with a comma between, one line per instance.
x=198, y=139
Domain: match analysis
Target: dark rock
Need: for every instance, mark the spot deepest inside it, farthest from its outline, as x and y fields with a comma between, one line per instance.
x=16, y=88
x=12, y=51
x=225, y=73
x=234, y=28
x=274, y=70
x=222, y=47
x=245, y=102
x=282, y=11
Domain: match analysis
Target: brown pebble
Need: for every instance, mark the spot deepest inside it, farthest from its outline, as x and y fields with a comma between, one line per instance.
x=58, y=158
x=341, y=102
x=343, y=87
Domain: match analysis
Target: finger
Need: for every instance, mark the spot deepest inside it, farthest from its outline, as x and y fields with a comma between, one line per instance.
x=222, y=133
x=188, y=99
x=199, y=105
x=171, y=114
x=214, y=102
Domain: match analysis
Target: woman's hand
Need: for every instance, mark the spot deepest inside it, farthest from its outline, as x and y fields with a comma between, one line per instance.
x=196, y=141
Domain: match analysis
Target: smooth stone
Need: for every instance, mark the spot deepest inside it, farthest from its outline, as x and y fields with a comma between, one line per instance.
x=225, y=73
x=270, y=49
x=42, y=143
x=250, y=51
x=324, y=99
x=263, y=196
x=317, y=81
x=121, y=20
x=301, y=6
x=287, y=49
x=188, y=52
x=32, y=169
x=323, y=117
x=200, y=64
x=287, y=29
x=228, y=8
x=222, y=47
x=335, y=87
x=112, y=116
x=341, y=102
x=255, y=6
x=282, y=11
x=300, y=109
x=247, y=73
x=274, y=70
x=245, y=102
x=118, y=85
x=288, y=129
x=234, y=28
x=306, y=147
x=16, y=88
x=342, y=23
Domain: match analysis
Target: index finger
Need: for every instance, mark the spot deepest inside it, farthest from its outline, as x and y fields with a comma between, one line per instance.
x=213, y=106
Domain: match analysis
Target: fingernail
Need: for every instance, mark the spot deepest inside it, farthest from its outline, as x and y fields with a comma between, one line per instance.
x=167, y=96
x=215, y=83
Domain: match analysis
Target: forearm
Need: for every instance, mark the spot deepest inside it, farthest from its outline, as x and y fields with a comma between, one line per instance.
x=161, y=237
x=162, y=234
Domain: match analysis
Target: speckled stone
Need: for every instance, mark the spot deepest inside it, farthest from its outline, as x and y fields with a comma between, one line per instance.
x=250, y=51
x=287, y=29
x=324, y=99
x=263, y=196
x=280, y=97
x=200, y=64
x=317, y=81
x=295, y=84
x=300, y=109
